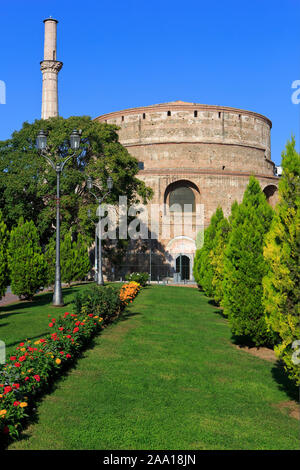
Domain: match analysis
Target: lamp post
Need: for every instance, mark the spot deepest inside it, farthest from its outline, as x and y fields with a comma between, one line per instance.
x=90, y=185
x=41, y=143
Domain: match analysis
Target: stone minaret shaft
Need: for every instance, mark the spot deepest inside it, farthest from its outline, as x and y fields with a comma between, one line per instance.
x=50, y=68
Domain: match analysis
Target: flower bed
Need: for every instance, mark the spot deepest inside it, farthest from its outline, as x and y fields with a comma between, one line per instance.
x=35, y=365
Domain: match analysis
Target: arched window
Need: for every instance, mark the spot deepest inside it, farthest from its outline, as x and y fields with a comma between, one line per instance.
x=181, y=196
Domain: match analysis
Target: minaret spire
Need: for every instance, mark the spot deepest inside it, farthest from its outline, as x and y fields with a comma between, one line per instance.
x=50, y=68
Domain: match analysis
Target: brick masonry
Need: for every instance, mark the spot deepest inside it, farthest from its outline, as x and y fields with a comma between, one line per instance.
x=213, y=150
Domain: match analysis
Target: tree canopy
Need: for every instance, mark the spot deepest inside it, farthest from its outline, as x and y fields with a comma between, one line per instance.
x=28, y=183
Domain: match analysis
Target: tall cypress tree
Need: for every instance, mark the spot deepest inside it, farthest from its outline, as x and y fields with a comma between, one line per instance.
x=282, y=252
x=245, y=266
x=203, y=269
x=26, y=262
x=4, y=278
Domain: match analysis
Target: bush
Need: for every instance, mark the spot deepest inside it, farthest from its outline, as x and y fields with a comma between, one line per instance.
x=99, y=300
x=282, y=282
x=245, y=267
x=27, y=265
x=141, y=278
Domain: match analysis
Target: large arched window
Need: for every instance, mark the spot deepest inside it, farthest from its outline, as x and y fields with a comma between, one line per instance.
x=180, y=197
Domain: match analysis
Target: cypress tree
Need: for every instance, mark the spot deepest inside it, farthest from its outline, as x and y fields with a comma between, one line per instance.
x=4, y=278
x=204, y=270
x=282, y=282
x=26, y=262
x=245, y=267
x=217, y=260
x=75, y=263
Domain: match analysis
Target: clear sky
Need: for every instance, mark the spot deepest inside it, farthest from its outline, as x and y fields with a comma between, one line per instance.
x=122, y=54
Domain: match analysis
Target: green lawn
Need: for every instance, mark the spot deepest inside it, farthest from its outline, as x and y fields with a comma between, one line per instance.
x=166, y=376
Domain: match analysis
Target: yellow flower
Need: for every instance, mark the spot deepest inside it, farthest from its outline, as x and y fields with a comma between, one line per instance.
x=58, y=361
x=1, y=396
x=37, y=342
x=3, y=412
x=23, y=404
x=23, y=349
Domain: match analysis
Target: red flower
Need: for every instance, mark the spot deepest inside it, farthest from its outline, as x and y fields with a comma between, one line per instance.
x=42, y=340
x=53, y=319
x=77, y=323
x=16, y=403
x=21, y=344
x=61, y=328
x=68, y=336
x=22, y=358
x=75, y=330
x=16, y=386
x=7, y=389
x=13, y=358
x=26, y=378
x=37, y=378
x=17, y=364
x=68, y=356
x=61, y=352
x=50, y=324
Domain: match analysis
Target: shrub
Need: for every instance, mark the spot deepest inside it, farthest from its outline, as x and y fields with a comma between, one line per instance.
x=27, y=265
x=100, y=300
x=141, y=278
x=245, y=266
x=282, y=282
x=4, y=278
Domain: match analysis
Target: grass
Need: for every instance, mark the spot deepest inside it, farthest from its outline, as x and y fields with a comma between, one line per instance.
x=166, y=376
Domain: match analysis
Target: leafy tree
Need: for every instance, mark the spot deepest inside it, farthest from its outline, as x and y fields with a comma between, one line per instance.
x=4, y=278
x=245, y=266
x=282, y=282
x=26, y=262
x=203, y=271
x=28, y=183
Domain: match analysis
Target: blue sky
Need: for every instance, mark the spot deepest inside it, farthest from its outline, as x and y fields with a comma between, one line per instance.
x=129, y=53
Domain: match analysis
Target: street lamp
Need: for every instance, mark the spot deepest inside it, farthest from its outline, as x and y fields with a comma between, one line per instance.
x=90, y=185
x=41, y=143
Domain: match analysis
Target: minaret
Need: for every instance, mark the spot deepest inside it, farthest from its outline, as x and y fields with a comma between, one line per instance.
x=50, y=68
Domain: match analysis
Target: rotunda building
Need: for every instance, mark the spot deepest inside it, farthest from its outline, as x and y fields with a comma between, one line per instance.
x=199, y=155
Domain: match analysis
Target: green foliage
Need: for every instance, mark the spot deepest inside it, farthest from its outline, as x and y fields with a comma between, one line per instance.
x=203, y=271
x=27, y=265
x=74, y=259
x=216, y=259
x=4, y=278
x=141, y=278
x=98, y=300
x=28, y=183
x=245, y=266
x=282, y=282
